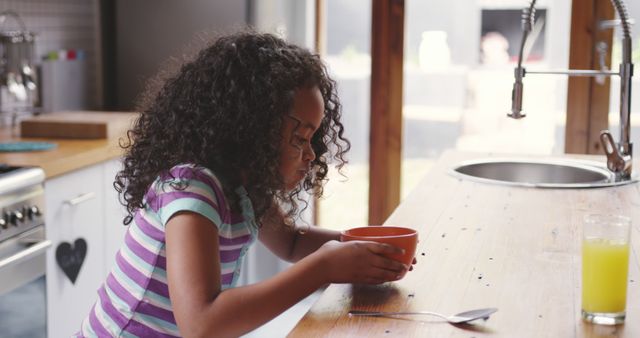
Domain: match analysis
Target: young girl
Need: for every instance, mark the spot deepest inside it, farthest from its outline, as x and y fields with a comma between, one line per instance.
x=218, y=159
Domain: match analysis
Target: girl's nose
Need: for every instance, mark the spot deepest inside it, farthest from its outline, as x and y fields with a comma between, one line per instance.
x=309, y=154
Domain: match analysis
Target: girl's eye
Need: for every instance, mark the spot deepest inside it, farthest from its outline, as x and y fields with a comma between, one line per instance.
x=301, y=140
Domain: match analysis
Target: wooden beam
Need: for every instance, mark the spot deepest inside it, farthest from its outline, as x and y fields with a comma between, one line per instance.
x=385, y=154
x=587, y=100
x=320, y=43
x=320, y=27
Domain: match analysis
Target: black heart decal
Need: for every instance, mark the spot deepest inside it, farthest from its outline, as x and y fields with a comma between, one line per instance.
x=70, y=257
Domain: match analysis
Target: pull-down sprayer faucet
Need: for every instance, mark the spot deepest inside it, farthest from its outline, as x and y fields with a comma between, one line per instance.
x=619, y=155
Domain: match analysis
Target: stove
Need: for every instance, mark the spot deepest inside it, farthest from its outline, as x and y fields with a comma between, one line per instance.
x=23, y=243
x=21, y=200
x=23, y=251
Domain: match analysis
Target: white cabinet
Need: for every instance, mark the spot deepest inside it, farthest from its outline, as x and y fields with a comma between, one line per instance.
x=114, y=214
x=80, y=204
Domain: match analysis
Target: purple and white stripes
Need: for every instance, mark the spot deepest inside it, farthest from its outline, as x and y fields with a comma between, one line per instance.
x=134, y=300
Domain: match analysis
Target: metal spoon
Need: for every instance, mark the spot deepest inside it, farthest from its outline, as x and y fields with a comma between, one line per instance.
x=463, y=317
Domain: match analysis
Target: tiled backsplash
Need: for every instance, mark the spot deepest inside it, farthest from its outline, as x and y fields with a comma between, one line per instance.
x=63, y=25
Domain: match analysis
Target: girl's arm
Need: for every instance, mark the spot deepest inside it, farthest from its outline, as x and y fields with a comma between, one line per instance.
x=289, y=243
x=201, y=309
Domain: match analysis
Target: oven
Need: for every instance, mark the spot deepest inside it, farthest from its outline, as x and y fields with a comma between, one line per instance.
x=23, y=247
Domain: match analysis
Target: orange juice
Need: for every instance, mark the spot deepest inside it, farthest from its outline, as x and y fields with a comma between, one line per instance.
x=605, y=264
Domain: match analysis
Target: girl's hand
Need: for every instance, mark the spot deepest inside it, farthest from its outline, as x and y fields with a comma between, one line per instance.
x=360, y=262
x=413, y=263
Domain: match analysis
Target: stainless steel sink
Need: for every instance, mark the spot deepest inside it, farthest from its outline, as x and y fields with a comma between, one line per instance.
x=538, y=173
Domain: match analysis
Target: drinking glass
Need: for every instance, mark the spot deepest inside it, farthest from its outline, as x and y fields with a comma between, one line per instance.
x=605, y=265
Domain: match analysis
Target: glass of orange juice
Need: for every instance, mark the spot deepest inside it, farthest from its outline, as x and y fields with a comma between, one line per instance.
x=605, y=265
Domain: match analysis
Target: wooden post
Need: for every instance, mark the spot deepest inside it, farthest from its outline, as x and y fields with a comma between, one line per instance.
x=385, y=154
x=588, y=101
x=320, y=46
x=320, y=25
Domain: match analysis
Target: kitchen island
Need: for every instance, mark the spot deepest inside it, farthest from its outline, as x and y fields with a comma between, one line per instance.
x=484, y=245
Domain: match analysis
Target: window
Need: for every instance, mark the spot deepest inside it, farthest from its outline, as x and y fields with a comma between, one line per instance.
x=348, y=57
x=458, y=73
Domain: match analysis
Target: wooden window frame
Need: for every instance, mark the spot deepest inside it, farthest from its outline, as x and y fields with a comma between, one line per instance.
x=587, y=101
x=385, y=141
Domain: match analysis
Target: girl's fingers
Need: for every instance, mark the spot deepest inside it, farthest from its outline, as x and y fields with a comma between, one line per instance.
x=384, y=249
x=383, y=269
x=386, y=275
x=373, y=281
x=381, y=261
x=412, y=263
x=385, y=263
x=379, y=276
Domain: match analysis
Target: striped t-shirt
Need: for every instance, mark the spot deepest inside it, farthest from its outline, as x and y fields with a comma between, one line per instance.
x=134, y=301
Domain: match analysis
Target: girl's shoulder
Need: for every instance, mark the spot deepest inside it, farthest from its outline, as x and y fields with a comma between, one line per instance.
x=188, y=187
x=187, y=173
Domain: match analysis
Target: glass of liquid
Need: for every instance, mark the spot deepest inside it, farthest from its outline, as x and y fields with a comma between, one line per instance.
x=605, y=266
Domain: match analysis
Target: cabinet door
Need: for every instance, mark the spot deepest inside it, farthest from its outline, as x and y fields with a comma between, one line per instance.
x=74, y=209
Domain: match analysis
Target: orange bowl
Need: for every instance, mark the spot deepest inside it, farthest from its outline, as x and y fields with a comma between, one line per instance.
x=404, y=238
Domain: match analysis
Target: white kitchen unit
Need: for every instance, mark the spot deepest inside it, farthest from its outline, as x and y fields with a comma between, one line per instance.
x=80, y=204
x=114, y=230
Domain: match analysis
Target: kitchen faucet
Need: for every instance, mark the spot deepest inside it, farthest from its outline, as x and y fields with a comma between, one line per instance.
x=619, y=156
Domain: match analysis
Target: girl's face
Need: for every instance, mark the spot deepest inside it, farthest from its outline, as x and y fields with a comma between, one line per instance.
x=299, y=126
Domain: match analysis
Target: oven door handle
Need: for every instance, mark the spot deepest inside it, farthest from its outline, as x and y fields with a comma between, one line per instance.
x=27, y=253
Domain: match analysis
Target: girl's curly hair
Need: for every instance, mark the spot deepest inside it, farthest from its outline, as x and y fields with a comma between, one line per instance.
x=224, y=110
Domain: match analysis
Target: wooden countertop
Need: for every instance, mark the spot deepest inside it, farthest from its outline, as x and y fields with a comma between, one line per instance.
x=69, y=155
x=481, y=245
